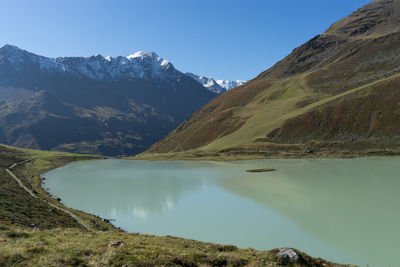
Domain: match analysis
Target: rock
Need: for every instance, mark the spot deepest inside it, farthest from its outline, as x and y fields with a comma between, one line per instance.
x=310, y=151
x=261, y=170
x=287, y=254
x=119, y=243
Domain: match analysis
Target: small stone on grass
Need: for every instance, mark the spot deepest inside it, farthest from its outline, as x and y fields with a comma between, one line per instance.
x=119, y=243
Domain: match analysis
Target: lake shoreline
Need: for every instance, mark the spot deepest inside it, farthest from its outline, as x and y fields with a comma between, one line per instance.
x=237, y=156
x=212, y=250
x=338, y=179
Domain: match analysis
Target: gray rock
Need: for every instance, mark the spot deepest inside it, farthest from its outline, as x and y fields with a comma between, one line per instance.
x=288, y=254
x=119, y=243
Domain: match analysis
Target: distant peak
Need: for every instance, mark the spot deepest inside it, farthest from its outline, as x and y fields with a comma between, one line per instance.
x=142, y=54
x=217, y=86
x=11, y=48
x=96, y=57
x=228, y=85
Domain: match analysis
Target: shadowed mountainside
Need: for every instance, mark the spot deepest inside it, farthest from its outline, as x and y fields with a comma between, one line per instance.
x=337, y=93
x=109, y=106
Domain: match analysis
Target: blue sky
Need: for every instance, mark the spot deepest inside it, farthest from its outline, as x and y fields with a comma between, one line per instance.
x=225, y=39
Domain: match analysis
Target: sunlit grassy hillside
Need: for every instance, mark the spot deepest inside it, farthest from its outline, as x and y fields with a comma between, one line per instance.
x=337, y=94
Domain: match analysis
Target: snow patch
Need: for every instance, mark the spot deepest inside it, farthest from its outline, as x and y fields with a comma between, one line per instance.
x=228, y=85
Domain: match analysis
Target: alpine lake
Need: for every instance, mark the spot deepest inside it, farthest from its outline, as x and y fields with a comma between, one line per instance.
x=343, y=210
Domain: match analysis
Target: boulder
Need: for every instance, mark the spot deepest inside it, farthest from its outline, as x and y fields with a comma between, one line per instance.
x=287, y=254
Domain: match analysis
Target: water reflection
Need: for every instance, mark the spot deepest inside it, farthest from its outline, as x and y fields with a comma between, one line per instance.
x=352, y=204
x=127, y=187
x=344, y=210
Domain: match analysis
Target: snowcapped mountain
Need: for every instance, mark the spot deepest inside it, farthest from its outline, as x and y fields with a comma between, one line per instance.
x=142, y=65
x=208, y=83
x=228, y=85
x=216, y=86
x=138, y=65
x=103, y=105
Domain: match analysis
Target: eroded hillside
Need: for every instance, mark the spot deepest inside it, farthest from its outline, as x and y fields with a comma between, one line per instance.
x=336, y=93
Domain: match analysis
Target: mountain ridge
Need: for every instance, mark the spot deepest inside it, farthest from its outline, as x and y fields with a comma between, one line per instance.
x=111, y=106
x=306, y=101
x=96, y=67
x=217, y=86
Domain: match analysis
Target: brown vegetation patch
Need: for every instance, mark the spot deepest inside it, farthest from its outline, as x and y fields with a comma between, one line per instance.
x=373, y=113
x=362, y=62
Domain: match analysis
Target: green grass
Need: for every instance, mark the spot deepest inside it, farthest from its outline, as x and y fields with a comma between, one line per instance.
x=32, y=233
x=266, y=117
x=313, y=81
x=19, y=208
x=73, y=247
x=299, y=126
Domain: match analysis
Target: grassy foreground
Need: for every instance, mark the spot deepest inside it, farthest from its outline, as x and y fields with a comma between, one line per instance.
x=36, y=229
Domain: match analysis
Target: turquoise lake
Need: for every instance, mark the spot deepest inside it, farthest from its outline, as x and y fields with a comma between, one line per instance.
x=343, y=210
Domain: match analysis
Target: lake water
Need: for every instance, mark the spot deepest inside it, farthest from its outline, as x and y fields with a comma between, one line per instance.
x=344, y=210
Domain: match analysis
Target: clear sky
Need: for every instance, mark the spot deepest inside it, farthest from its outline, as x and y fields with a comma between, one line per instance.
x=224, y=39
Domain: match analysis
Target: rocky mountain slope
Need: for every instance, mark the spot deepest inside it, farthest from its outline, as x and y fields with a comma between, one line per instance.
x=217, y=86
x=337, y=94
x=109, y=106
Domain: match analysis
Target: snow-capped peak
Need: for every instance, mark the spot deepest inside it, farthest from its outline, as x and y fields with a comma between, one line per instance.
x=228, y=85
x=153, y=55
x=143, y=65
x=217, y=86
x=142, y=54
x=137, y=65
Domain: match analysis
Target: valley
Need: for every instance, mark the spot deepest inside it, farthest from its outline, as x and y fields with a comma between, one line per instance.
x=96, y=105
x=128, y=161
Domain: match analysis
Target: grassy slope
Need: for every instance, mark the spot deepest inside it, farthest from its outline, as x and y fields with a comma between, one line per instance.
x=352, y=63
x=32, y=233
x=17, y=207
x=297, y=123
x=267, y=117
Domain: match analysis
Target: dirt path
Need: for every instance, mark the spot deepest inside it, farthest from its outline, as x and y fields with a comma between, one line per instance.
x=21, y=184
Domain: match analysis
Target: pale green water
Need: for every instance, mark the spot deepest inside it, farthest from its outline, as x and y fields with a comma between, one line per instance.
x=342, y=210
